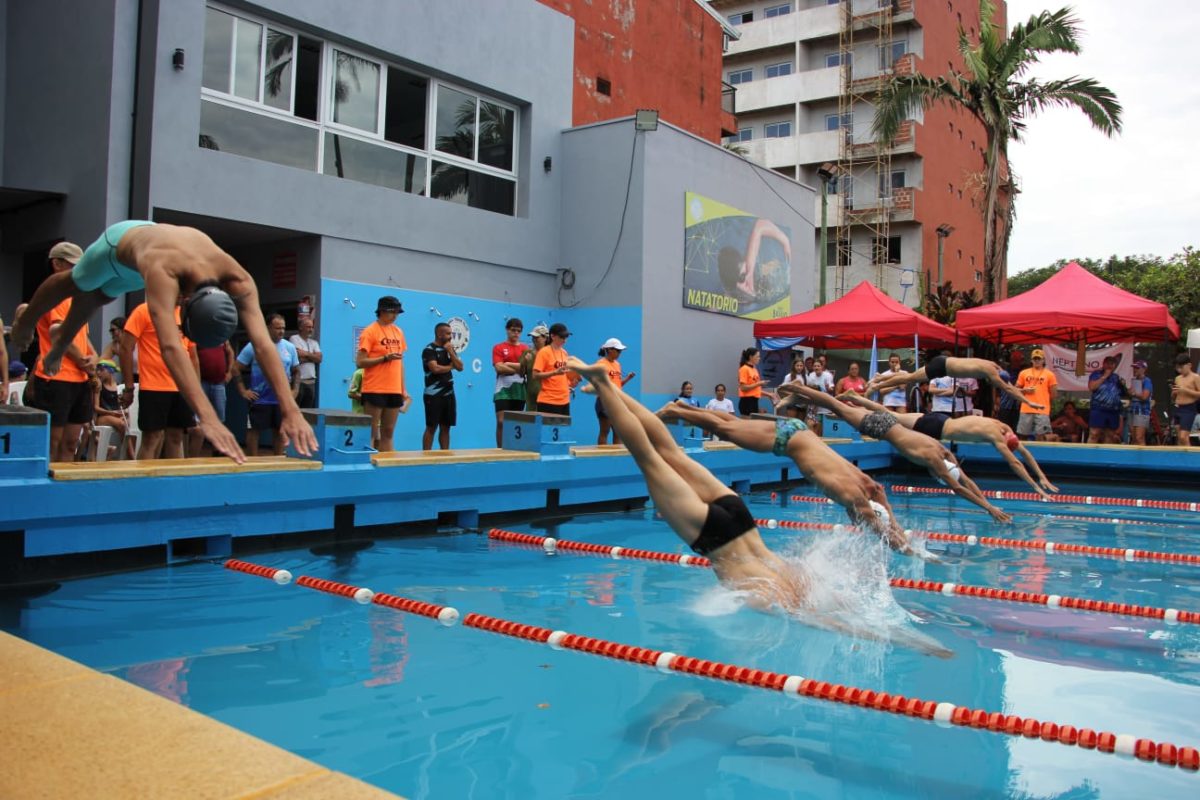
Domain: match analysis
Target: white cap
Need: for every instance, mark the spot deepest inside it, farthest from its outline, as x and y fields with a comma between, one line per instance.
x=613, y=344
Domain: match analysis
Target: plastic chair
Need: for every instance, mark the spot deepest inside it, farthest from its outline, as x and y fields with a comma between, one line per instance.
x=16, y=392
x=101, y=439
x=133, y=434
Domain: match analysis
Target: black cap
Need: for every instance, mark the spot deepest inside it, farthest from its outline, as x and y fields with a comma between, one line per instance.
x=389, y=303
x=209, y=316
x=560, y=330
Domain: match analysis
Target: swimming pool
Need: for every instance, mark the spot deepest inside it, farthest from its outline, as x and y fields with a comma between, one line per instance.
x=431, y=711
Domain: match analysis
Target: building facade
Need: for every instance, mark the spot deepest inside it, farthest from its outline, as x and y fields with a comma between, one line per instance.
x=805, y=72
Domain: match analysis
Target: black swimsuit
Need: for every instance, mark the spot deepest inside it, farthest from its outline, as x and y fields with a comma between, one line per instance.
x=728, y=519
x=931, y=424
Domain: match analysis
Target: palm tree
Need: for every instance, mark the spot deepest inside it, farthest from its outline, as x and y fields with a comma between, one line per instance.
x=993, y=91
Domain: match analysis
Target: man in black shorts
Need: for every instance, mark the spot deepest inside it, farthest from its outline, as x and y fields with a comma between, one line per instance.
x=439, y=360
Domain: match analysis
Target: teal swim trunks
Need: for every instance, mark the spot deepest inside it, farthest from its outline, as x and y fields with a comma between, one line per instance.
x=785, y=429
x=99, y=267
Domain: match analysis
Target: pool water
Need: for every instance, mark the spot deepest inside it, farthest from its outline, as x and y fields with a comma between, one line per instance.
x=429, y=711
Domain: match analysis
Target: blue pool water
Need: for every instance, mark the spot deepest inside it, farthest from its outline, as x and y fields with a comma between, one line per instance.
x=429, y=711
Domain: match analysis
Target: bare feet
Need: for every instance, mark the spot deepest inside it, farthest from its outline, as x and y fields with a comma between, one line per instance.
x=667, y=411
x=848, y=396
x=593, y=372
x=788, y=389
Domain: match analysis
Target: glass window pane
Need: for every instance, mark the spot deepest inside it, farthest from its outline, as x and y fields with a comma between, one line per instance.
x=474, y=189
x=495, y=135
x=277, y=83
x=248, y=48
x=218, y=45
x=455, y=122
x=308, y=78
x=355, y=92
x=267, y=138
x=356, y=160
x=404, y=115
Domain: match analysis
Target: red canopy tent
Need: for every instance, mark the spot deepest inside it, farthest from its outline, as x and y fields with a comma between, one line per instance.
x=862, y=315
x=1074, y=305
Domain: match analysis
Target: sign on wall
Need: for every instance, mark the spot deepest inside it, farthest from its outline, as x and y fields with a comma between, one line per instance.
x=733, y=262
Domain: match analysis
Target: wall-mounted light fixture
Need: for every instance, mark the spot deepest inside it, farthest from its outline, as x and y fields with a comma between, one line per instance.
x=645, y=119
x=177, y=59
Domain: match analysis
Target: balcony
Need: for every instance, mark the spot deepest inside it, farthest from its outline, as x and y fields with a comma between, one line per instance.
x=812, y=23
x=817, y=147
x=803, y=87
x=774, y=153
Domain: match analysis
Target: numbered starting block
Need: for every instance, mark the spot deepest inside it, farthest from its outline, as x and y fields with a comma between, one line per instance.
x=835, y=428
x=343, y=437
x=532, y=431
x=24, y=442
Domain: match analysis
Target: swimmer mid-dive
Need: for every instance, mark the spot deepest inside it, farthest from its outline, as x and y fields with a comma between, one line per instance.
x=970, y=428
x=916, y=447
x=942, y=366
x=710, y=518
x=837, y=478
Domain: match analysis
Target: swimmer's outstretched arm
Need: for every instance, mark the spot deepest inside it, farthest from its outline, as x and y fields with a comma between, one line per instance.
x=967, y=490
x=881, y=383
x=909, y=639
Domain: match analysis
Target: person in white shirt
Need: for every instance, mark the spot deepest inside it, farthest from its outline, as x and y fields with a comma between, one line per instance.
x=309, y=350
x=894, y=400
x=720, y=402
x=941, y=394
x=822, y=381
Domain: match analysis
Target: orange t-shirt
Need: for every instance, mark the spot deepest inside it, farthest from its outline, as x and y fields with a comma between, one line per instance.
x=556, y=390
x=746, y=376
x=70, y=372
x=153, y=375
x=1042, y=380
x=614, y=373
x=386, y=377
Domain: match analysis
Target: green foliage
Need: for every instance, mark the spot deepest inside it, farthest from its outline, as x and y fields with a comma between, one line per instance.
x=1174, y=281
x=943, y=304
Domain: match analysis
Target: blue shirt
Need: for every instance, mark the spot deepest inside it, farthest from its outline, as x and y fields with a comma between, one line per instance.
x=1007, y=401
x=1108, y=394
x=1137, y=405
x=258, y=381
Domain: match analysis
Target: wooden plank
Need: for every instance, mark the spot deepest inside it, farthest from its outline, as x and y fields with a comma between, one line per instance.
x=172, y=468
x=416, y=458
x=591, y=450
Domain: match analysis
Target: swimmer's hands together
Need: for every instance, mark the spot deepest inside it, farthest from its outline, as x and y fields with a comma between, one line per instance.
x=1049, y=487
x=999, y=515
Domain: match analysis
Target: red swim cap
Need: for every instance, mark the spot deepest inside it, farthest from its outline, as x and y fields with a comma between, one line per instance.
x=1011, y=440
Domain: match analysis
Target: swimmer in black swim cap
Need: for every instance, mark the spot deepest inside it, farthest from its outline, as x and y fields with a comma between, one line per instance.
x=209, y=316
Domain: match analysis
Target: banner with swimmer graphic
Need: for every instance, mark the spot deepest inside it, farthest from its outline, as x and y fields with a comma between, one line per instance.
x=733, y=262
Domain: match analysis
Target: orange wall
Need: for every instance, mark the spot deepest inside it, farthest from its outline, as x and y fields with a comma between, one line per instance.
x=952, y=144
x=660, y=54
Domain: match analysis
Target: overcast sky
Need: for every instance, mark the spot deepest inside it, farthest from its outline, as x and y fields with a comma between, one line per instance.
x=1085, y=195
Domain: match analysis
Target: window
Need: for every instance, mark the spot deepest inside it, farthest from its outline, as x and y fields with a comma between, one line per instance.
x=738, y=19
x=889, y=54
x=779, y=70
x=978, y=276
x=887, y=182
x=885, y=251
x=777, y=130
x=837, y=252
x=844, y=122
x=741, y=76
x=777, y=11
x=835, y=59
x=262, y=90
x=743, y=135
x=603, y=86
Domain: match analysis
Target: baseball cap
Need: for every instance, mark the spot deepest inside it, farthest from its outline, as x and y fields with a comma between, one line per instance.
x=1139, y=364
x=1037, y=354
x=67, y=251
x=16, y=369
x=539, y=330
x=559, y=329
x=389, y=303
x=612, y=344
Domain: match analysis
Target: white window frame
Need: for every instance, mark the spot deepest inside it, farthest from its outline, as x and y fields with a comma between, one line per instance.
x=729, y=76
x=767, y=128
x=836, y=58
x=777, y=10
x=740, y=18
x=257, y=103
x=889, y=49
x=887, y=182
x=782, y=64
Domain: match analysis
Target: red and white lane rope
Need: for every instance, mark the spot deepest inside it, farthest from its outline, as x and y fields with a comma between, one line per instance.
x=942, y=713
x=1169, y=615
x=1089, y=500
x=1124, y=553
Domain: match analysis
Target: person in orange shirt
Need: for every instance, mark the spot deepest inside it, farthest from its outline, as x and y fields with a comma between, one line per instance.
x=67, y=395
x=1039, y=386
x=610, y=351
x=163, y=415
x=381, y=358
x=750, y=383
x=550, y=367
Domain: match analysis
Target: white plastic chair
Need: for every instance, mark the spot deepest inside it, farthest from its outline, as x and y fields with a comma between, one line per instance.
x=102, y=439
x=16, y=393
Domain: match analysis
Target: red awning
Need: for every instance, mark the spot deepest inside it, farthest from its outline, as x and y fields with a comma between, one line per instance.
x=1074, y=304
x=853, y=321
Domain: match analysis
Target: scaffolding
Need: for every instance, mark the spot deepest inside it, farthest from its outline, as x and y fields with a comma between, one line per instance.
x=864, y=167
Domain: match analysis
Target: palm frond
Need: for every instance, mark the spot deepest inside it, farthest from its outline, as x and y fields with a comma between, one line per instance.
x=904, y=96
x=1098, y=103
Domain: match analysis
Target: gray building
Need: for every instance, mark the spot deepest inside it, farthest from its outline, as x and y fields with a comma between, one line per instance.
x=341, y=152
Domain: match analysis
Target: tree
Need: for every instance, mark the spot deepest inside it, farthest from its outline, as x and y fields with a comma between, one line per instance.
x=994, y=92
x=943, y=304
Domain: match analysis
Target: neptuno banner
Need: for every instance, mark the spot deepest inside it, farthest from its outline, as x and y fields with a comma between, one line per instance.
x=735, y=263
x=1062, y=361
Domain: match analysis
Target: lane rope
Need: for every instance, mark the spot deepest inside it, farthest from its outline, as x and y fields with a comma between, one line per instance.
x=942, y=713
x=1089, y=500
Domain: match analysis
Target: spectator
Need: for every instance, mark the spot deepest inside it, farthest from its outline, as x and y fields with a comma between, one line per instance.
x=1008, y=410
x=218, y=366
x=941, y=395
x=510, y=379
x=1104, y=417
x=66, y=395
x=381, y=358
x=541, y=337
x=822, y=381
x=355, y=392
x=5, y=374
x=750, y=383
x=610, y=352
x=1068, y=425
x=823, y=360
x=687, y=394
x=720, y=402
x=894, y=400
x=163, y=414
x=17, y=372
x=550, y=367
x=441, y=410
x=965, y=391
x=1039, y=385
x=853, y=382
x=1139, y=403
x=112, y=350
x=1185, y=393
x=798, y=373
x=265, y=412
x=107, y=402
x=309, y=350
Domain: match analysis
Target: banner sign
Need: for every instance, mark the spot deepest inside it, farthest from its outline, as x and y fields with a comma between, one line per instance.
x=1062, y=361
x=735, y=263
